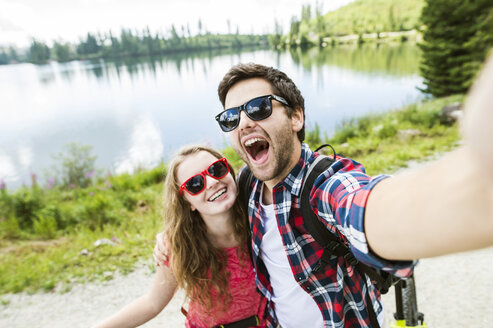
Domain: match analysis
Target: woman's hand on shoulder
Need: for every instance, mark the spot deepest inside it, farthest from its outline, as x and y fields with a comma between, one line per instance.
x=161, y=250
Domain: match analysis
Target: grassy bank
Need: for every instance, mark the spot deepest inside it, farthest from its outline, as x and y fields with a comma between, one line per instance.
x=55, y=237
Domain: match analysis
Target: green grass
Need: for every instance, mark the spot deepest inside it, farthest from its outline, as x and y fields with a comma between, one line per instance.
x=45, y=233
x=32, y=266
x=379, y=141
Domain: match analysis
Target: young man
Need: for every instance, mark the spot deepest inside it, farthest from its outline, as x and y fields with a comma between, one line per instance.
x=443, y=208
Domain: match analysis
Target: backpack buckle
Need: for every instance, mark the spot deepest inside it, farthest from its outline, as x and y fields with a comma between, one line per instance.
x=351, y=259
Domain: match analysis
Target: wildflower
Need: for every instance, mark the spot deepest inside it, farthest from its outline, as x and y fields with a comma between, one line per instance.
x=89, y=175
x=33, y=179
x=91, y=194
x=2, y=184
x=50, y=183
x=72, y=186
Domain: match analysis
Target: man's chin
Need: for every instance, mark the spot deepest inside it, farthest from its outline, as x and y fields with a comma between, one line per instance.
x=262, y=173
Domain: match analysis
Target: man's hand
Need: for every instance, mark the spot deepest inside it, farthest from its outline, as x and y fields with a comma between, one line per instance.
x=478, y=121
x=161, y=250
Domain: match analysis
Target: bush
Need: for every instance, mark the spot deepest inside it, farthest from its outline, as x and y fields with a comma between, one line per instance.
x=313, y=138
x=425, y=118
x=26, y=203
x=9, y=227
x=45, y=226
x=76, y=165
x=152, y=177
x=344, y=133
x=97, y=212
x=233, y=159
x=388, y=130
x=123, y=182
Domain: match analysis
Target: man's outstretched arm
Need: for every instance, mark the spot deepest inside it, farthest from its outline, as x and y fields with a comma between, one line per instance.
x=446, y=206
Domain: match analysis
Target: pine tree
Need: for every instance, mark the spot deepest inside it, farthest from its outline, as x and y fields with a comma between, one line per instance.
x=39, y=52
x=457, y=38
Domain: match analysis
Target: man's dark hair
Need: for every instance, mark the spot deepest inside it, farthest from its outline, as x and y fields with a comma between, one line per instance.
x=281, y=84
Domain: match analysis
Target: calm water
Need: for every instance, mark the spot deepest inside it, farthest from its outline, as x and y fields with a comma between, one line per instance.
x=137, y=112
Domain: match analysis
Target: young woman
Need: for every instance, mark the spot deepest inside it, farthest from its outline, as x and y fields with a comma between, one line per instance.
x=206, y=238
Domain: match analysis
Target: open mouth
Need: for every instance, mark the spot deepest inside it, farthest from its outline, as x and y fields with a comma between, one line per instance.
x=257, y=148
x=217, y=194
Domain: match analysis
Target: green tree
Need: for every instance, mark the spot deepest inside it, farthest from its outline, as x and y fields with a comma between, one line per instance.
x=4, y=58
x=62, y=52
x=294, y=31
x=175, y=38
x=130, y=43
x=457, y=38
x=199, y=26
x=75, y=165
x=89, y=46
x=306, y=13
x=39, y=52
x=275, y=38
x=13, y=54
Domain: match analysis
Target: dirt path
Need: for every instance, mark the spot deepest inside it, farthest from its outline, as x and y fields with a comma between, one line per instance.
x=453, y=291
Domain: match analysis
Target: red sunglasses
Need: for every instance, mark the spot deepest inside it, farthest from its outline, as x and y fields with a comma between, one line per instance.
x=196, y=184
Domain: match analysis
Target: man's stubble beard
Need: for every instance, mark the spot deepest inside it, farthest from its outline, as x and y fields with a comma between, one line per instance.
x=281, y=148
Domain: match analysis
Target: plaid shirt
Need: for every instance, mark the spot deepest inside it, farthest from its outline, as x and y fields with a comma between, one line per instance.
x=339, y=197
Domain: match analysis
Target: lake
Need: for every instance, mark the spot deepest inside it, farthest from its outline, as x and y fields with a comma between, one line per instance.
x=137, y=112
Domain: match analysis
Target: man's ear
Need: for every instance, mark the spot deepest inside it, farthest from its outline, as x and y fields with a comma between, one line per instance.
x=297, y=121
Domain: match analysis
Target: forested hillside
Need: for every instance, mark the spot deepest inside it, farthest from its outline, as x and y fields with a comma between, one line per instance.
x=366, y=16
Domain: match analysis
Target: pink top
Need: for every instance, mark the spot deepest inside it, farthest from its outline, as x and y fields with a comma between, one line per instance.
x=245, y=300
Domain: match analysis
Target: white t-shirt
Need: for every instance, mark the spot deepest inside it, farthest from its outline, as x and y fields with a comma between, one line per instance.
x=293, y=306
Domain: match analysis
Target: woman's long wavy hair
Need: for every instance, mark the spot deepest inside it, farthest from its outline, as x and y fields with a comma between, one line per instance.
x=198, y=266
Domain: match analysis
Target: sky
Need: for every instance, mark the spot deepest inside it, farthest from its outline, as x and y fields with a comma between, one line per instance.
x=69, y=20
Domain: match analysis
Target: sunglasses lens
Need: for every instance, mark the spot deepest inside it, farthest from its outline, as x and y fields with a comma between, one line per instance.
x=259, y=108
x=195, y=184
x=229, y=119
x=218, y=170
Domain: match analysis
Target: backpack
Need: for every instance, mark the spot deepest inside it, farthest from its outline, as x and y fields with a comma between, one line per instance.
x=331, y=244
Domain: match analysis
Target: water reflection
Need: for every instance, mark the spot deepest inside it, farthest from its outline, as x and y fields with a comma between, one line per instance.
x=134, y=66
x=8, y=171
x=145, y=150
x=399, y=60
x=135, y=112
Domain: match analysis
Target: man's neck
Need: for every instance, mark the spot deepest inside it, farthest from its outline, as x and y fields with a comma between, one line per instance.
x=269, y=185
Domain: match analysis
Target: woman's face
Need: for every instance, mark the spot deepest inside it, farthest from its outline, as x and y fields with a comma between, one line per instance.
x=218, y=196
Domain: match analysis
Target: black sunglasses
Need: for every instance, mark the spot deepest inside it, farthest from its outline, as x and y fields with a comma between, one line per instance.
x=256, y=109
x=196, y=184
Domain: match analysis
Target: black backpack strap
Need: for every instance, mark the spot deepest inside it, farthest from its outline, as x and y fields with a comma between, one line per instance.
x=331, y=243
x=315, y=227
x=244, y=181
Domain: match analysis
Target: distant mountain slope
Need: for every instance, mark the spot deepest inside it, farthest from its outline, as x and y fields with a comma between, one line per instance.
x=367, y=16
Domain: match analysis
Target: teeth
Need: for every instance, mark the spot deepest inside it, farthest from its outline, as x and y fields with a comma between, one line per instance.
x=250, y=142
x=217, y=195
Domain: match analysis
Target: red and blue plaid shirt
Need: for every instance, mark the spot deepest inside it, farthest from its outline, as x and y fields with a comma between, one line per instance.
x=338, y=197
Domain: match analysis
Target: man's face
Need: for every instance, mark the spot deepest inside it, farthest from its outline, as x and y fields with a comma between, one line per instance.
x=270, y=146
